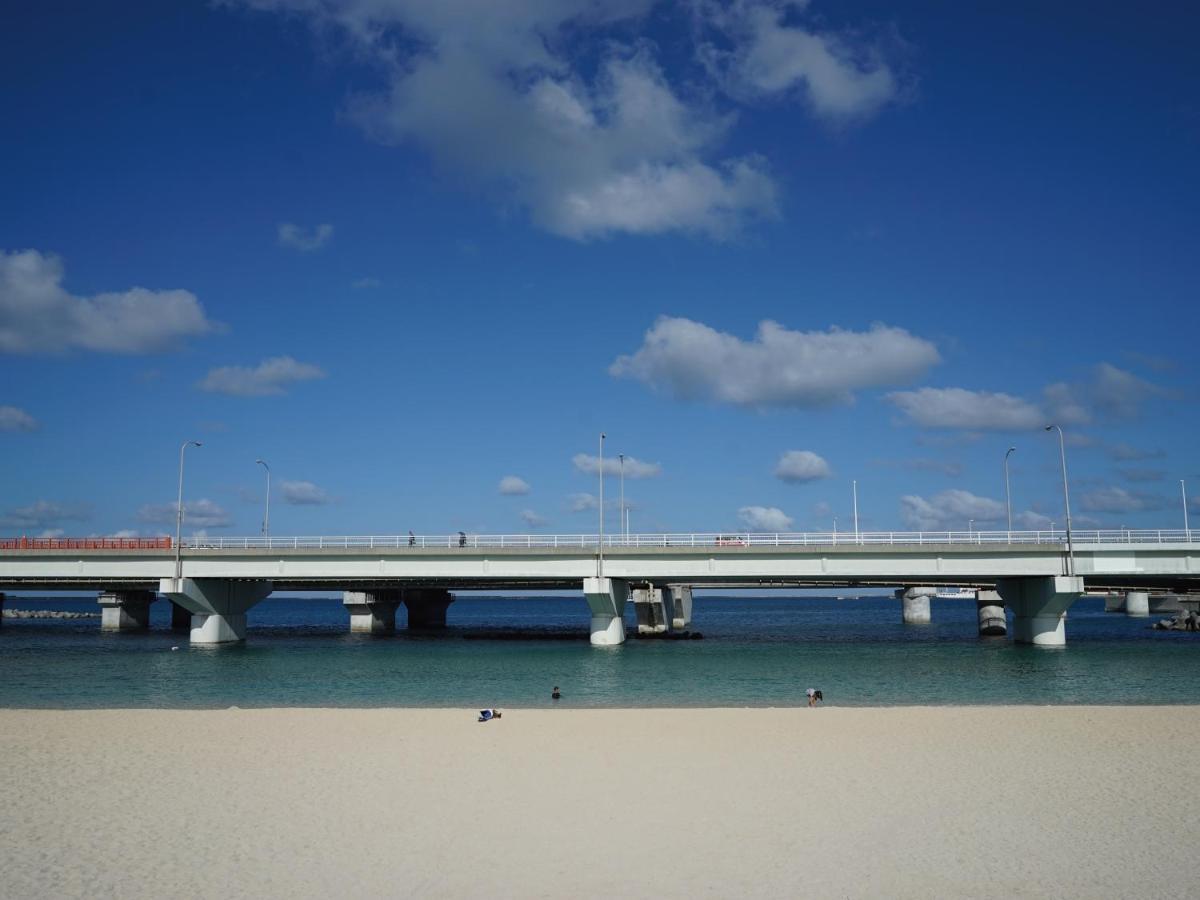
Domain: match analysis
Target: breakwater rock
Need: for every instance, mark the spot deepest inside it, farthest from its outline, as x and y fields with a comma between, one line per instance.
x=48, y=614
x=1189, y=621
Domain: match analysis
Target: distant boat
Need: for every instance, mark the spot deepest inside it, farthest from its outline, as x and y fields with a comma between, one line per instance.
x=952, y=592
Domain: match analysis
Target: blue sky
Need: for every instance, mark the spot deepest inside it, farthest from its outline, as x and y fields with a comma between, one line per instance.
x=403, y=251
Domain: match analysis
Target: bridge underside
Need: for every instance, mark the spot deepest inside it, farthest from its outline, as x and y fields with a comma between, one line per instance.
x=1157, y=583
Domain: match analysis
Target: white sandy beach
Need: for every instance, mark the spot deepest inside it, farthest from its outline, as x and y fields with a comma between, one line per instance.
x=899, y=802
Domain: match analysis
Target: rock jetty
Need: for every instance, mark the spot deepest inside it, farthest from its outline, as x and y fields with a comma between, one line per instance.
x=1185, y=621
x=47, y=614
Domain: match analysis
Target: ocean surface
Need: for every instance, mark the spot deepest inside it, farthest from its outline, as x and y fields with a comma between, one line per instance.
x=510, y=652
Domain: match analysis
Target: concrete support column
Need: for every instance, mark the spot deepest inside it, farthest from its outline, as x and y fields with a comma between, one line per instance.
x=992, y=621
x=682, y=595
x=1, y=609
x=181, y=619
x=915, y=604
x=1040, y=607
x=1114, y=602
x=1137, y=603
x=125, y=610
x=218, y=606
x=655, y=609
x=606, y=597
x=427, y=607
x=373, y=612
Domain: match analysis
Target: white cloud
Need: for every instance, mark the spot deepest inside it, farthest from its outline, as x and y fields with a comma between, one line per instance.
x=303, y=493
x=949, y=510
x=268, y=378
x=304, y=239
x=1128, y=453
x=765, y=518
x=43, y=514
x=798, y=466
x=783, y=368
x=13, y=418
x=1033, y=521
x=560, y=106
x=38, y=315
x=125, y=533
x=841, y=79
x=532, y=519
x=1119, y=394
x=196, y=514
x=968, y=410
x=512, y=486
x=52, y=533
x=1143, y=475
x=1119, y=500
x=582, y=502
x=634, y=468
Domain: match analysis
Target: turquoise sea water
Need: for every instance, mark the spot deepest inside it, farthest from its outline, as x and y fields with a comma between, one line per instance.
x=509, y=652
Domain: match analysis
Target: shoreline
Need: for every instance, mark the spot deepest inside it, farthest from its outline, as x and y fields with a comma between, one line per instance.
x=995, y=801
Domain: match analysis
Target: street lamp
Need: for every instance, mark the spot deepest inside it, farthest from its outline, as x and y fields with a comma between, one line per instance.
x=1062, y=450
x=1007, y=492
x=600, y=548
x=854, y=486
x=266, y=528
x=971, y=527
x=179, y=513
x=624, y=530
x=1187, y=533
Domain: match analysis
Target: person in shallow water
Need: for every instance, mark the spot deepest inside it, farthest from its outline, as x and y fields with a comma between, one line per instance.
x=814, y=697
x=555, y=694
x=486, y=715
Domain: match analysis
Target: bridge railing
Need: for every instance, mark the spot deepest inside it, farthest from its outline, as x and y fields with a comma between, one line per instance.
x=684, y=540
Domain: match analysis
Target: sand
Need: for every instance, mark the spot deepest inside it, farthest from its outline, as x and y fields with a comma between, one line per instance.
x=898, y=802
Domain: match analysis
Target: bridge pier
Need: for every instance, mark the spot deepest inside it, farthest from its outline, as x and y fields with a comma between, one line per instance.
x=125, y=610
x=1137, y=603
x=373, y=612
x=181, y=619
x=606, y=597
x=655, y=609
x=218, y=606
x=427, y=607
x=915, y=604
x=1040, y=607
x=992, y=621
x=682, y=595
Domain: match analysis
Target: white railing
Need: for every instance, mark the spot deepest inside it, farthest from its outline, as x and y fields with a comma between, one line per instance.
x=721, y=540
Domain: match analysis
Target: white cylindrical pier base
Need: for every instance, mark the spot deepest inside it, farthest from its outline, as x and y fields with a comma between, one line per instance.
x=125, y=610
x=915, y=605
x=607, y=631
x=606, y=597
x=1039, y=606
x=992, y=621
x=372, y=612
x=1137, y=603
x=218, y=628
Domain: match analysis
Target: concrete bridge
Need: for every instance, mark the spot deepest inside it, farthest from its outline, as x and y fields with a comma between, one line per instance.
x=217, y=581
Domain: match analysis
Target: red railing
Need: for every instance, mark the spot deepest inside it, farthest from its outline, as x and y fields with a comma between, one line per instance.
x=28, y=543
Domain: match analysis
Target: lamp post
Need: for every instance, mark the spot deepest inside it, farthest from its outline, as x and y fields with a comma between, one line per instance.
x=971, y=527
x=1062, y=450
x=600, y=548
x=854, y=486
x=624, y=529
x=179, y=512
x=266, y=528
x=1187, y=532
x=1007, y=492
